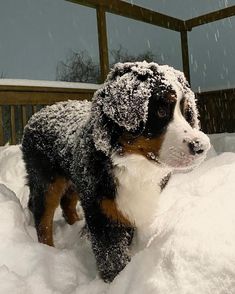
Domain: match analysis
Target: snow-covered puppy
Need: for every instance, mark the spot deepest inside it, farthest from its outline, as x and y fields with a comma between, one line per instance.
x=113, y=154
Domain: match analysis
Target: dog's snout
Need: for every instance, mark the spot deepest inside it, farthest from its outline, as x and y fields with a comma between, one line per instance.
x=195, y=147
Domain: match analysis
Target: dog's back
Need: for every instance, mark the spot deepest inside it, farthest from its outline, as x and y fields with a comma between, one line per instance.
x=47, y=147
x=50, y=132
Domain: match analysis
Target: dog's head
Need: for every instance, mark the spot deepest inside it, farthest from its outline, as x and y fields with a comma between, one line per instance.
x=149, y=109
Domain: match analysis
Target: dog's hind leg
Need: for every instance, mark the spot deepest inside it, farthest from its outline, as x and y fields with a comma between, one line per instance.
x=52, y=197
x=68, y=205
x=43, y=203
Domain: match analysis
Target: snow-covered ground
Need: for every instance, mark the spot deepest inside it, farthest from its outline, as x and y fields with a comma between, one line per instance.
x=191, y=251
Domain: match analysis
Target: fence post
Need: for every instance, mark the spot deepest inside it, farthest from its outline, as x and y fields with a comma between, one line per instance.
x=185, y=55
x=1, y=126
x=103, y=42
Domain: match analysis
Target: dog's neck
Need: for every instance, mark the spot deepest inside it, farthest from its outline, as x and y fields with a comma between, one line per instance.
x=139, y=183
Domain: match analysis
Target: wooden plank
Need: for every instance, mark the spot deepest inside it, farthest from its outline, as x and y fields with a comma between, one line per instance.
x=48, y=89
x=1, y=127
x=135, y=12
x=13, y=126
x=185, y=55
x=210, y=17
x=18, y=97
x=24, y=115
x=103, y=42
x=34, y=109
x=217, y=93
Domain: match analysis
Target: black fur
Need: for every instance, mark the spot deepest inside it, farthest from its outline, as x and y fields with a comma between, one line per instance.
x=94, y=180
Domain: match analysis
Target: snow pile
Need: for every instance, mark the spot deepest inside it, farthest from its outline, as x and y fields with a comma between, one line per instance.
x=192, y=250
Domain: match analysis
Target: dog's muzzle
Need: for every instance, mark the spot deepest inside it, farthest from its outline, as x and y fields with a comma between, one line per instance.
x=197, y=146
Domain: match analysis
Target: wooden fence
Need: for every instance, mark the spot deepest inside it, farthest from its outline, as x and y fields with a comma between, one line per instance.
x=217, y=111
x=18, y=103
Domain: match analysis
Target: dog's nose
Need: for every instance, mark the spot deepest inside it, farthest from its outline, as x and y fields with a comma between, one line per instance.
x=195, y=147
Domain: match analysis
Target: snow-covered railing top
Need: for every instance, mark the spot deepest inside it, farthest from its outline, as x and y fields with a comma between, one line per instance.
x=47, y=84
x=31, y=92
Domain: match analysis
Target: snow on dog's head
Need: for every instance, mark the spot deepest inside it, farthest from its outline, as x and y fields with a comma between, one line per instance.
x=149, y=109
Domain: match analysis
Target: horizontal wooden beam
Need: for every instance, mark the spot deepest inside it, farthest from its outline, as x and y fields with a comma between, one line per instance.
x=23, y=95
x=135, y=12
x=217, y=93
x=210, y=17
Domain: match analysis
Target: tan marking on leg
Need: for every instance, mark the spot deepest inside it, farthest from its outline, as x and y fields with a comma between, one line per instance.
x=52, y=199
x=68, y=204
x=110, y=209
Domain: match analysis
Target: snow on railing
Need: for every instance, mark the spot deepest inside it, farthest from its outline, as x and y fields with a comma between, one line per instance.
x=47, y=84
x=19, y=99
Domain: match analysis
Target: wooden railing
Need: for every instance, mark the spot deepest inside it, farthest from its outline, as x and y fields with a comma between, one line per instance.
x=18, y=103
x=217, y=111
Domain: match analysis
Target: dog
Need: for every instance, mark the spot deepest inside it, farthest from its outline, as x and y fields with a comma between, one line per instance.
x=115, y=154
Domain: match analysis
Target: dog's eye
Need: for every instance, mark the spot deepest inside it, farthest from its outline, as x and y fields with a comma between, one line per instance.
x=161, y=112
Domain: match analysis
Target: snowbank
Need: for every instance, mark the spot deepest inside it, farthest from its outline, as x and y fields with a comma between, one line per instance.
x=192, y=251
x=223, y=142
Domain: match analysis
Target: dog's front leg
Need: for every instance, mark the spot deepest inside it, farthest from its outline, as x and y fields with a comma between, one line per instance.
x=110, y=243
x=112, y=251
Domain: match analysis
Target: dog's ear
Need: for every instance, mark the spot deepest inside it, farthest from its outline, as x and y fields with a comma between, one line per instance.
x=123, y=98
x=190, y=110
x=125, y=94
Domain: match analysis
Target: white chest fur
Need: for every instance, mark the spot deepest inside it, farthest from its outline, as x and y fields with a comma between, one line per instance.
x=138, y=187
